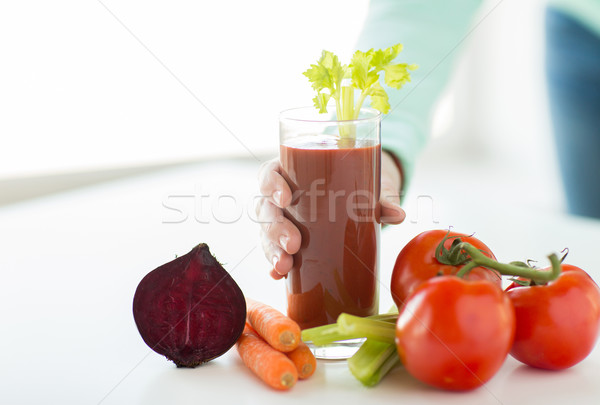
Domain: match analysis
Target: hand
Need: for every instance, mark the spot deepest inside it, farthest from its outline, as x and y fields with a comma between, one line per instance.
x=279, y=236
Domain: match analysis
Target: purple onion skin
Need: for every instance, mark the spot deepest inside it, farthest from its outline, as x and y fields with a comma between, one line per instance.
x=190, y=309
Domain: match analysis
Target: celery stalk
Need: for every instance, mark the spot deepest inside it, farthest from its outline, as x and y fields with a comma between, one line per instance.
x=373, y=361
x=326, y=334
x=376, y=356
x=347, y=102
x=348, y=130
x=389, y=317
x=363, y=327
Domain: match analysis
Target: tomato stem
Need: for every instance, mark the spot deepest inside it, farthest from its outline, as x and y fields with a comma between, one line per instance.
x=508, y=269
x=452, y=256
x=467, y=268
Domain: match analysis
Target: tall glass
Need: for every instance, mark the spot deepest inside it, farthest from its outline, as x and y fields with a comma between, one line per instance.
x=334, y=170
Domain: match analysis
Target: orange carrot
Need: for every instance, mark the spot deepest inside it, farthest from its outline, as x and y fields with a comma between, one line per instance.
x=277, y=329
x=272, y=366
x=304, y=360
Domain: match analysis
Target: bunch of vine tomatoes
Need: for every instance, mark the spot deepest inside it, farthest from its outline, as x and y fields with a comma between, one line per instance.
x=457, y=324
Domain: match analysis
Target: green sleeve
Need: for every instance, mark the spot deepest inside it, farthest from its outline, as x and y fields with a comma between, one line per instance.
x=431, y=32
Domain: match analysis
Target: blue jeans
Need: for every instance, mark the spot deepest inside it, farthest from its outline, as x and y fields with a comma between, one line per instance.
x=573, y=74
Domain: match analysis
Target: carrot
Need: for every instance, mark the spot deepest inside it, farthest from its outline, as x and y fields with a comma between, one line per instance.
x=277, y=329
x=270, y=365
x=304, y=360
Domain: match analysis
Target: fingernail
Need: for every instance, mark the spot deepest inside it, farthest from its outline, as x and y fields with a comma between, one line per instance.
x=275, y=275
x=275, y=260
x=283, y=242
x=277, y=197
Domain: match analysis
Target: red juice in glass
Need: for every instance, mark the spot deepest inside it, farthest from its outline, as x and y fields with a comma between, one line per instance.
x=335, y=183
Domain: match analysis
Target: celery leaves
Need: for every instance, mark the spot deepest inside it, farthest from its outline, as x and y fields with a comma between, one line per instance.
x=332, y=80
x=326, y=76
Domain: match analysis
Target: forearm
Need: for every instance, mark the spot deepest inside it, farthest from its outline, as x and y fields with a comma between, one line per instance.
x=431, y=31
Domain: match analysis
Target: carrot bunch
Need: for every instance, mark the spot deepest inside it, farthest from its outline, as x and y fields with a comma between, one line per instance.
x=272, y=348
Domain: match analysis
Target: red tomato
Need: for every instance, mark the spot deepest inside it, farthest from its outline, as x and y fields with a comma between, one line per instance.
x=557, y=323
x=455, y=334
x=416, y=263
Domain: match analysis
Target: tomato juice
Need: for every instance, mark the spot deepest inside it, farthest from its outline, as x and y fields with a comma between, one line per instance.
x=335, y=184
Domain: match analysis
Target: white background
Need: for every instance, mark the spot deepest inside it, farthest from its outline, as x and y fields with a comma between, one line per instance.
x=97, y=84
x=100, y=83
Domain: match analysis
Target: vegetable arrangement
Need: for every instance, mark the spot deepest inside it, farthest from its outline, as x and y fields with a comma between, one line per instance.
x=456, y=325
x=453, y=329
x=453, y=325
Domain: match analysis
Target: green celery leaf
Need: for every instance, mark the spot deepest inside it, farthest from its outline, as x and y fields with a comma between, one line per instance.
x=360, y=69
x=335, y=69
x=383, y=57
x=320, y=101
x=379, y=98
x=396, y=75
x=319, y=77
x=327, y=74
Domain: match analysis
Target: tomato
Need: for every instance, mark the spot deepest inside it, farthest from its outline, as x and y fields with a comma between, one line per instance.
x=416, y=263
x=557, y=323
x=455, y=334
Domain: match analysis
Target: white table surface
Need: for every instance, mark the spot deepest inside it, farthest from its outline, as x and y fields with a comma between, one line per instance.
x=70, y=264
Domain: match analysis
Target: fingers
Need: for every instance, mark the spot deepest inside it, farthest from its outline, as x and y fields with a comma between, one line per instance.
x=281, y=261
x=276, y=228
x=280, y=238
x=272, y=185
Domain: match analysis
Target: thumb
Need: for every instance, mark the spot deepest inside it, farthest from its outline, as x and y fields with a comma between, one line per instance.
x=391, y=212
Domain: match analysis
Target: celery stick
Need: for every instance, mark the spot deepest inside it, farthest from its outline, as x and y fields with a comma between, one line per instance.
x=312, y=334
x=347, y=110
x=347, y=101
x=373, y=361
x=390, y=362
x=326, y=334
x=364, y=327
x=376, y=356
x=392, y=317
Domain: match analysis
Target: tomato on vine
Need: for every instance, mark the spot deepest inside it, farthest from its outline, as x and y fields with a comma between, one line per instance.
x=430, y=254
x=557, y=323
x=455, y=334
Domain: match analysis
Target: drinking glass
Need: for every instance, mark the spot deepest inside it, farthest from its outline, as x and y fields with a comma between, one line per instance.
x=333, y=168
